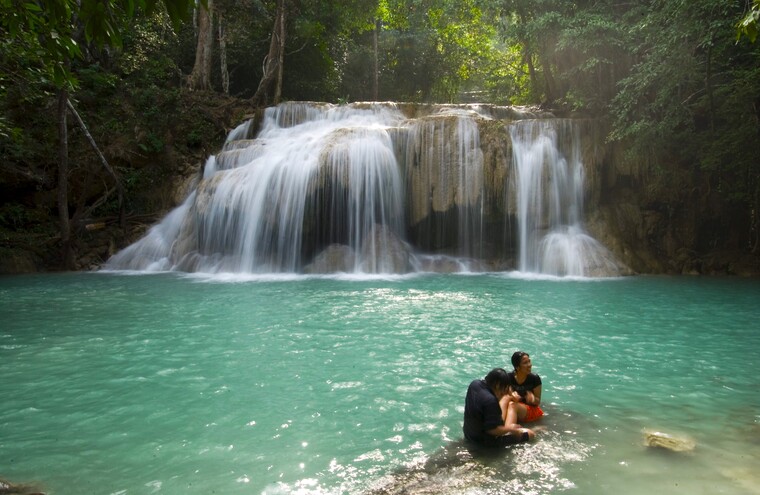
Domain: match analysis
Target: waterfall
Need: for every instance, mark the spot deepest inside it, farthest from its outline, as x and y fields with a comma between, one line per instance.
x=367, y=188
x=549, y=178
x=322, y=174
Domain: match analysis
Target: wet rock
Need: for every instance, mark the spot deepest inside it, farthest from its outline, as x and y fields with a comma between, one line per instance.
x=667, y=441
x=440, y=264
x=449, y=481
x=334, y=258
x=444, y=166
x=8, y=488
x=449, y=264
x=384, y=252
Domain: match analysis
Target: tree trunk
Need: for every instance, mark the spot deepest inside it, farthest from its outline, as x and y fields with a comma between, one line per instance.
x=376, y=70
x=534, y=89
x=200, y=77
x=223, y=57
x=281, y=53
x=269, y=91
x=67, y=253
x=709, y=86
x=549, y=83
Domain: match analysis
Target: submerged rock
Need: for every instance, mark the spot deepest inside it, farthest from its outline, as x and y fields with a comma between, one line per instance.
x=452, y=470
x=453, y=480
x=7, y=488
x=667, y=441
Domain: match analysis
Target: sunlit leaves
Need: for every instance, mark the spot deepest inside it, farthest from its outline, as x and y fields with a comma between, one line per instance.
x=464, y=42
x=440, y=46
x=748, y=25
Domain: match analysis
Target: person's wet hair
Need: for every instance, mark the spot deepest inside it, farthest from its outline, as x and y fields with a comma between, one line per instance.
x=497, y=378
x=517, y=357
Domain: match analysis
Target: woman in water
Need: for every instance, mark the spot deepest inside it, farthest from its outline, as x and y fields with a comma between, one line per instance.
x=522, y=403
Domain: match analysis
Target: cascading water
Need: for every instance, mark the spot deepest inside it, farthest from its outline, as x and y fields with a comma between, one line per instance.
x=364, y=188
x=327, y=174
x=549, y=176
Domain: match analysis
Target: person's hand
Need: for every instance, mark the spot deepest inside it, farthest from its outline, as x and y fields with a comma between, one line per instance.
x=529, y=397
x=516, y=396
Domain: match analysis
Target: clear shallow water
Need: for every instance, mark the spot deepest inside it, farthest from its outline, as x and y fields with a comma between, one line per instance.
x=119, y=384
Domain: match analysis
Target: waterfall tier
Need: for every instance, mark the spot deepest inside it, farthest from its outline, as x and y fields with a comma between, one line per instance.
x=367, y=188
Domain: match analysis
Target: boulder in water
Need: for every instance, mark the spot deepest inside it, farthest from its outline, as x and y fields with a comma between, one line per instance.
x=448, y=264
x=384, y=252
x=334, y=258
x=667, y=441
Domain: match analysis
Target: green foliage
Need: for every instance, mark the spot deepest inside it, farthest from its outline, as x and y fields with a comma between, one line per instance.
x=49, y=29
x=747, y=26
x=533, y=26
x=96, y=81
x=148, y=45
x=428, y=50
x=668, y=75
x=464, y=42
x=506, y=77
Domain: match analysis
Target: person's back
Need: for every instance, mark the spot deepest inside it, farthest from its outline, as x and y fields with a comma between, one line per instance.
x=481, y=412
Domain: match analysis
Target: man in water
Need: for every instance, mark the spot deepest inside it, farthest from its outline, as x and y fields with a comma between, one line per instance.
x=483, y=418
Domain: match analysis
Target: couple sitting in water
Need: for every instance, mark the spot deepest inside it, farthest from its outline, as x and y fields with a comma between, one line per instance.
x=495, y=407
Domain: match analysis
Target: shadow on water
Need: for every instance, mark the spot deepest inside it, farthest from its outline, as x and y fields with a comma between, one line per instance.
x=534, y=467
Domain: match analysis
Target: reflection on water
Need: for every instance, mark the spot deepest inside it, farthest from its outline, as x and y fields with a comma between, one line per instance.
x=176, y=385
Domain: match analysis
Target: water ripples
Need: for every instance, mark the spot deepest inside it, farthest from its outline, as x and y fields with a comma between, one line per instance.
x=177, y=385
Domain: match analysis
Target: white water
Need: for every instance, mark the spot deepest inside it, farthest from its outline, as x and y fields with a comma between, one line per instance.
x=248, y=213
x=549, y=175
x=326, y=188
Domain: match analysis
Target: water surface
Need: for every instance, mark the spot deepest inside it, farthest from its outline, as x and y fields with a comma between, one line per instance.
x=177, y=384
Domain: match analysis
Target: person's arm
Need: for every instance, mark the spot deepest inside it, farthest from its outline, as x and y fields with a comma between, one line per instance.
x=533, y=397
x=504, y=429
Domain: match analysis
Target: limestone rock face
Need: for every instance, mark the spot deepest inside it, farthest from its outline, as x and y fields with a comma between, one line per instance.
x=433, y=168
x=457, y=171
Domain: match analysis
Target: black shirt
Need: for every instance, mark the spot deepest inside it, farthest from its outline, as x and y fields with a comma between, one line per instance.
x=531, y=381
x=481, y=412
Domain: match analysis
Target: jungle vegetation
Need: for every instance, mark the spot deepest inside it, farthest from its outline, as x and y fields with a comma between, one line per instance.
x=92, y=91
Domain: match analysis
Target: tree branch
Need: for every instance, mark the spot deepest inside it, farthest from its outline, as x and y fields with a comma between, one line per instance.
x=109, y=169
